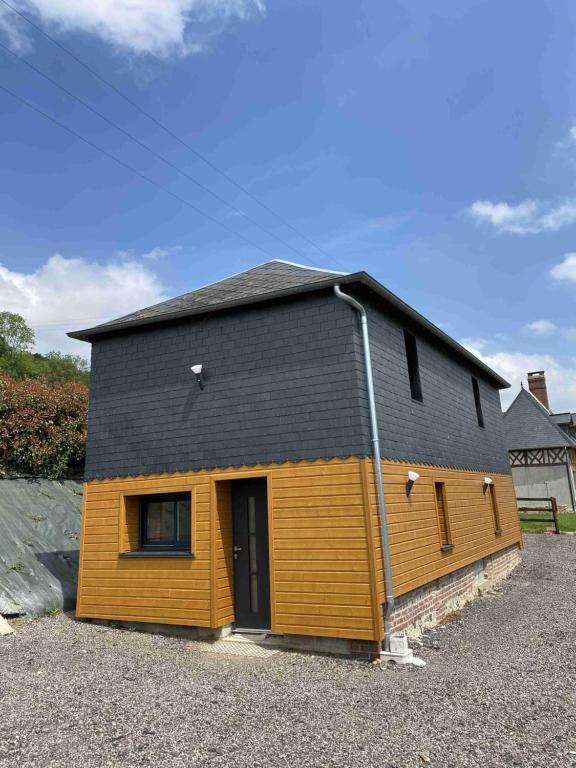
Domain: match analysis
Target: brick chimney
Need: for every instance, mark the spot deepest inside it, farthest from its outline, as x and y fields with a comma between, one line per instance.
x=537, y=386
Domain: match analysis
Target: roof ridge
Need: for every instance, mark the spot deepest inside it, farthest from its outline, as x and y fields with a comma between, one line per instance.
x=251, y=269
x=305, y=266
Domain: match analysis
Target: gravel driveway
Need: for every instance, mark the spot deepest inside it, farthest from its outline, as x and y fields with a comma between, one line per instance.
x=499, y=689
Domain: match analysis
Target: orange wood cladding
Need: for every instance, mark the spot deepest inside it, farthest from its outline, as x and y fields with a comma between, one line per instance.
x=325, y=553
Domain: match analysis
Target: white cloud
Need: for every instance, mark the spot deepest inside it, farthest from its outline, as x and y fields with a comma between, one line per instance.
x=527, y=218
x=541, y=327
x=513, y=366
x=474, y=343
x=155, y=254
x=504, y=217
x=11, y=30
x=158, y=27
x=566, y=269
x=68, y=294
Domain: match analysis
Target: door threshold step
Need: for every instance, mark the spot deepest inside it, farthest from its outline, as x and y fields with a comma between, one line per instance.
x=237, y=646
x=265, y=638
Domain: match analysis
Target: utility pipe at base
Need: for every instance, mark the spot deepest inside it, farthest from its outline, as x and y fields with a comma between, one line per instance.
x=377, y=463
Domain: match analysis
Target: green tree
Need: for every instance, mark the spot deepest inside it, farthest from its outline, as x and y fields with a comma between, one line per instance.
x=16, y=332
x=59, y=367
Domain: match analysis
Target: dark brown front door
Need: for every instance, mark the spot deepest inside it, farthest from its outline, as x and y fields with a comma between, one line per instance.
x=251, y=560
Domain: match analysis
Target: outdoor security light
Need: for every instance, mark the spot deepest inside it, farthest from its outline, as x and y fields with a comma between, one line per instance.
x=412, y=477
x=487, y=481
x=197, y=371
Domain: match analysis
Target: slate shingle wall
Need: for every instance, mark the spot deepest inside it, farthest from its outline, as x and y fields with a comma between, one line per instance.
x=284, y=382
x=281, y=384
x=443, y=429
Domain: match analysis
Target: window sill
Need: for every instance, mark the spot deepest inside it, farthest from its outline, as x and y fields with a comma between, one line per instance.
x=498, y=531
x=165, y=553
x=447, y=547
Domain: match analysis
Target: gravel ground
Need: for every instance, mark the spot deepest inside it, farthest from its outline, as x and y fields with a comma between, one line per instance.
x=498, y=690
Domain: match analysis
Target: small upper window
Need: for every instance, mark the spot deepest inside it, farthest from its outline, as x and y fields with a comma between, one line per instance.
x=165, y=522
x=413, y=366
x=478, y=402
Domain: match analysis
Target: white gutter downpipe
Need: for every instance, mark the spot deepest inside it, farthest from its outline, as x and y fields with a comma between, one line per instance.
x=377, y=464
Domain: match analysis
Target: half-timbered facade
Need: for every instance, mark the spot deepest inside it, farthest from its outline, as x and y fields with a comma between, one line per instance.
x=542, y=446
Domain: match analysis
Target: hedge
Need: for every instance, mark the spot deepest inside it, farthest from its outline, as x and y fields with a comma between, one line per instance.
x=42, y=427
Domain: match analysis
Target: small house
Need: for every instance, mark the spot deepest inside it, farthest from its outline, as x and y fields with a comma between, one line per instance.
x=294, y=451
x=541, y=444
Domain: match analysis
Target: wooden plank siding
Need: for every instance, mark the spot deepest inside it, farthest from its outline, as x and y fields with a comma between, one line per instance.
x=155, y=590
x=325, y=547
x=223, y=573
x=413, y=521
x=322, y=577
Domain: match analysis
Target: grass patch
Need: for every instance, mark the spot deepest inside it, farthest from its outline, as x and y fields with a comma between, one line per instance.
x=567, y=522
x=17, y=567
x=37, y=518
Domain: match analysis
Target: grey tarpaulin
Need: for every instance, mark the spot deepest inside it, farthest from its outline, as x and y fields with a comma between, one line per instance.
x=39, y=541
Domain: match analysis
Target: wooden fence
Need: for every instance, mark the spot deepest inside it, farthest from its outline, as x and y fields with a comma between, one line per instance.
x=551, y=508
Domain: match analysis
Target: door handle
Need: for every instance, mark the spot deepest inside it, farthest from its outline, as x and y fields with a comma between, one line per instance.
x=237, y=549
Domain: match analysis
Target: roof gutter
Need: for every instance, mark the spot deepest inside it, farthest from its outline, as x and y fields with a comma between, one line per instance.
x=377, y=464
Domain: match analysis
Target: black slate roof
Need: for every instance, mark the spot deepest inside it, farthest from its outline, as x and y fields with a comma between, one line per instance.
x=528, y=424
x=274, y=279
x=265, y=279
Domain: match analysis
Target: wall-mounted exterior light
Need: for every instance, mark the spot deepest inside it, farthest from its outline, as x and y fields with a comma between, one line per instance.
x=412, y=477
x=487, y=482
x=197, y=371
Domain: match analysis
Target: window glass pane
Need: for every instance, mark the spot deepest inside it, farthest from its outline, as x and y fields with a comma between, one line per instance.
x=183, y=536
x=251, y=514
x=166, y=522
x=478, y=402
x=442, y=513
x=159, y=522
x=254, y=593
x=494, y=507
x=413, y=366
x=253, y=563
x=252, y=552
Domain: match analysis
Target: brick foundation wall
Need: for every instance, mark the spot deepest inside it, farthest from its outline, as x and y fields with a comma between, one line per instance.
x=429, y=605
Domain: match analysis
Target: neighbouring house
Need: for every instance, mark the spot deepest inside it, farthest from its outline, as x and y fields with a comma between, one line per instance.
x=542, y=445
x=233, y=478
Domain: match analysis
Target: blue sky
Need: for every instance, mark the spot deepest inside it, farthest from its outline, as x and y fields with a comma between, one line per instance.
x=430, y=144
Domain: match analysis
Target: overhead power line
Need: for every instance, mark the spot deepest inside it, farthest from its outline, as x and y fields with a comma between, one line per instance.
x=149, y=149
x=129, y=167
x=171, y=133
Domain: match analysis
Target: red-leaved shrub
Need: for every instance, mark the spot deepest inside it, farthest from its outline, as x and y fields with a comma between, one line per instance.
x=42, y=427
